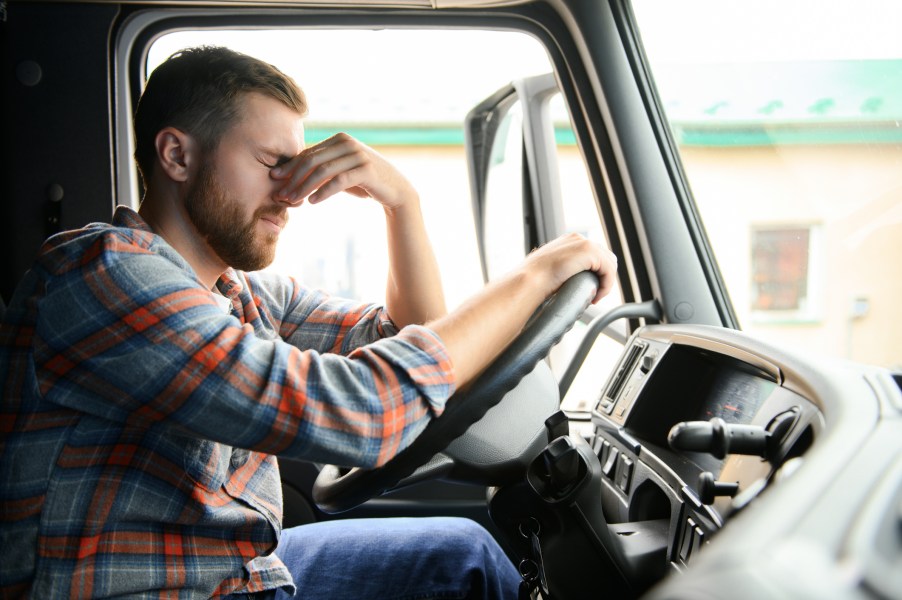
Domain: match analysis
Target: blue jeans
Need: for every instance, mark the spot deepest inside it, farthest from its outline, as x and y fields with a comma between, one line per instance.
x=396, y=559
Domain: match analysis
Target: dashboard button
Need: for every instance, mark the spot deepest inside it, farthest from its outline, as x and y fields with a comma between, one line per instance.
x=596, y=446
x=686, y=540
x=625, y=473
x=610, y=465
x=604, y=451
x=698, y=538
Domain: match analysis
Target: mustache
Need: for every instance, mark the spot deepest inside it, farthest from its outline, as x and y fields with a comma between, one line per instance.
x=278, y=214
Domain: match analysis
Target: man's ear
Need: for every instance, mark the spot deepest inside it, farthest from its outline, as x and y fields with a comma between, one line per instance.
x=176, y=153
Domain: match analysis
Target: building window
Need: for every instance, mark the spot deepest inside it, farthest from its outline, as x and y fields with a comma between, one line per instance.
x=781, y=269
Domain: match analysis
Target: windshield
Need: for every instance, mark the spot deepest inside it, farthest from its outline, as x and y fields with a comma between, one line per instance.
x=786, y=116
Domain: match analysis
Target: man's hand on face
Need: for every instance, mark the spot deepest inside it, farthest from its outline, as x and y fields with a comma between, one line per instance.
x=342, y=164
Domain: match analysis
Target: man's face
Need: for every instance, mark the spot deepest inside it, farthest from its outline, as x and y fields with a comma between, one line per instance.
x=232, y=199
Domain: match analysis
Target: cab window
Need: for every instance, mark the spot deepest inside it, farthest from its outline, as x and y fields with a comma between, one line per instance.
x=414, y=113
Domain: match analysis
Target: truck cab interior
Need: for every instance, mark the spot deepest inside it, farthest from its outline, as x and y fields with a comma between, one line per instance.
x=728, y=423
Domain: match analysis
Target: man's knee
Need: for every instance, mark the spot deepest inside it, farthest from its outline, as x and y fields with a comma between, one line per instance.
x=468, y=537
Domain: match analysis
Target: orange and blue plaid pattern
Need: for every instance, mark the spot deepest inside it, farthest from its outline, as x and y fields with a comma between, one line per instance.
x=140, y=422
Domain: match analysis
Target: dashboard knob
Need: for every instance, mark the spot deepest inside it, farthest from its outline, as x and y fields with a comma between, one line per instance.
x=709, y=488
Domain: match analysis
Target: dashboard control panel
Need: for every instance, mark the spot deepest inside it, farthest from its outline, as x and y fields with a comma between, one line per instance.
x=690, y=430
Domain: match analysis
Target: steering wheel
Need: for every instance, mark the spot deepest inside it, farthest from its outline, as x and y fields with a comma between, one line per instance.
x=337, y=489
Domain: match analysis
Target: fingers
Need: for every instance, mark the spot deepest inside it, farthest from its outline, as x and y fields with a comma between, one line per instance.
x=607, y=275
x=604, y=264
x=340, y=164
x=337, y=178
x=572, y=253
x=336, y=158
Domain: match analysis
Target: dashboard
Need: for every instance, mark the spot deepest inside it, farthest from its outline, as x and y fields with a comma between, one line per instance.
x=718, y=466
x=690, y=430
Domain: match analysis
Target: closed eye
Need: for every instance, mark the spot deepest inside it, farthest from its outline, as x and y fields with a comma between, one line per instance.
x=269, y=164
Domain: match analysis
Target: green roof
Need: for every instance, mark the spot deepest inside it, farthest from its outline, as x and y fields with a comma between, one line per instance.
x=406, y=135
x=811, y=102
x=753, y=104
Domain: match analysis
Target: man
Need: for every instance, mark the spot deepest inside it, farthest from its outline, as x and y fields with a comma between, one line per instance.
x=150, y=374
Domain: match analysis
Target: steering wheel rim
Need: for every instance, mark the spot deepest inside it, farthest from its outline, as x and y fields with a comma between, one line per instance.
x=336, y=490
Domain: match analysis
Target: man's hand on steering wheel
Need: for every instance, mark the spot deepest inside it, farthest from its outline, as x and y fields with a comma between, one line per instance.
x=477, y=332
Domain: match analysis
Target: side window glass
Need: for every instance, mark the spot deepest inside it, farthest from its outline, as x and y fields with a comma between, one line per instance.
x=339, y=245
x=504, y=218
x=412, y=114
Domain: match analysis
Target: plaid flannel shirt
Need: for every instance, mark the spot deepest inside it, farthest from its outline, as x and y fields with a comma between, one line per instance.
x=139, y=422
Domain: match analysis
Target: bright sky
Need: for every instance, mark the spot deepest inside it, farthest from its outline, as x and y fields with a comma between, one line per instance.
x=769, y=30
x=384, y=74
x=409, y=76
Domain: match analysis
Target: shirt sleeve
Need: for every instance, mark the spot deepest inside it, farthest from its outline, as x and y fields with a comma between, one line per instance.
x=130, y=336
x=312, y=319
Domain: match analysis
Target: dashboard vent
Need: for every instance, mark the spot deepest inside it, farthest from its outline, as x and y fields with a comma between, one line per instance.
x=626, y=367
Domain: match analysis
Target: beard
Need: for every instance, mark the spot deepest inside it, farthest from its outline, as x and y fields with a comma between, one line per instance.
x=219, y=219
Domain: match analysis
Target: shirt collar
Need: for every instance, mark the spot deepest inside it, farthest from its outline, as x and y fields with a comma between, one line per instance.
x=229, y=283
x=127, y=217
